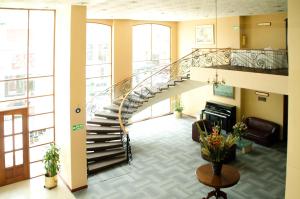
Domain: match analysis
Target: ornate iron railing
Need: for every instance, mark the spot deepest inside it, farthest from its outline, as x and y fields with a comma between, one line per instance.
x=264, y=59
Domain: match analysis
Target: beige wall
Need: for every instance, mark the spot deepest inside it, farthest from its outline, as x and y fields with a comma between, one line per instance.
x=293, y=161
x=70, y=93
x=271, y=110
x=228, y=34
x=77, y=95
x=194, y=101
x=264, y=36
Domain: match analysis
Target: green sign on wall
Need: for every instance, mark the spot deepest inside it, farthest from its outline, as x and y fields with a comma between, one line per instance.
x=77, y=127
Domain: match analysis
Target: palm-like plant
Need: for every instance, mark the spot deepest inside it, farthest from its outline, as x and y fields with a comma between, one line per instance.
x=51, y=161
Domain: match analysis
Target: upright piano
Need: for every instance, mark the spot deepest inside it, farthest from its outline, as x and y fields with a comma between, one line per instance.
x=221, y=114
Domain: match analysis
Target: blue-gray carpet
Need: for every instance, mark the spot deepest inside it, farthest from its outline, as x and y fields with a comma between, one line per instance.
x=164, y=162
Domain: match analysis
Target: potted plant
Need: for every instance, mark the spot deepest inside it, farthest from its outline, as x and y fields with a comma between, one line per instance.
x=51, y=165
x=178, y=109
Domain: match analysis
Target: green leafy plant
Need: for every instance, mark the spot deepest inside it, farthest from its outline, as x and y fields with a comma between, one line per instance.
x=215, y=146
x=51, y=161
x=178, y=106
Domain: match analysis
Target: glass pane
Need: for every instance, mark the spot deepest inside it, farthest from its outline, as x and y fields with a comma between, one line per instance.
x=19, y=157
x=18, y=124
x=37, y=153
x=9, y=161
x=11, y=90
x=40, y=105
x=98, y=70
x=36, y=169
x=141, y=42
x=40, y=86
x=97, y=86
x=18, y=141
x=97, y=103
x=161, y=108
x=8, y=124
x=160, y=42
x=13, y=40
x=13, y=104
x=40, y=121
x=41, y=37
x=98, y=44
x=8, y=143
x=41, y=136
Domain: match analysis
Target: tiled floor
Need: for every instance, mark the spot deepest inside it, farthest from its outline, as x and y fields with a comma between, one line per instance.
x=33, y=189
x=164, y=162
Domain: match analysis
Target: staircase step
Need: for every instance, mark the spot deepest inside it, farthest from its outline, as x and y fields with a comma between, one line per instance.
x=178, y=80
x=105, y=122
x=127, y=103
x=104, y=154
x=164, y=87
x=112, y=115
x=171, y=83
x=102, y=129
x=153, y=91
x=143, y=95
x=115, y=108
x=136, y=99
x=94, y=167
x=101, y=137
x=103, y=146
x=185, y=77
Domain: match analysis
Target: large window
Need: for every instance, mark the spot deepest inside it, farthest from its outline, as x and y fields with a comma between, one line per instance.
x=26, y=74
x=151, y=50
x=98, y=66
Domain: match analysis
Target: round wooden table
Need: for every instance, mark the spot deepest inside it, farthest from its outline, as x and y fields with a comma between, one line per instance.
x=229, y=177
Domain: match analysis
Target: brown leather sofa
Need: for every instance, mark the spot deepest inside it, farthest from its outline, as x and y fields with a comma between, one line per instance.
x=261, y=131
x=196, y=137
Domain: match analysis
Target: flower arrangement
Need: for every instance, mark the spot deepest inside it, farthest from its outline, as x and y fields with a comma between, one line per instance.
x=215, y=146
x=239, y=129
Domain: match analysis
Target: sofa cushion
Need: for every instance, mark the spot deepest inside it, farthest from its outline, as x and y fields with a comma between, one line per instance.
x=260, y=124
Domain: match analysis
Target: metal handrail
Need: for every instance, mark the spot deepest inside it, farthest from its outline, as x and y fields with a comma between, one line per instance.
x=186, y=57
x=122, y=82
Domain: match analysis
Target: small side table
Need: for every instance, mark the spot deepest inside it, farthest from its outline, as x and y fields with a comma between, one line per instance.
x=245, y=145
x=228, y=178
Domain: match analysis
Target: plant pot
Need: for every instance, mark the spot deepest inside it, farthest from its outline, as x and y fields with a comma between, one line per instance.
x=178, y=114
x=217, y=168
x=50, y=182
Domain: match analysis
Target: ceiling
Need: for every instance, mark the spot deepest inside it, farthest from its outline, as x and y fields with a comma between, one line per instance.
x=164, y=10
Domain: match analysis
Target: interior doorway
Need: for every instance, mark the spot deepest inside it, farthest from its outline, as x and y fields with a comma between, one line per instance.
x=14, y=160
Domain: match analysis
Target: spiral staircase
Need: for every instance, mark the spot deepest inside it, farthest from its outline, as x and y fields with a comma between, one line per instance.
x=107, y=139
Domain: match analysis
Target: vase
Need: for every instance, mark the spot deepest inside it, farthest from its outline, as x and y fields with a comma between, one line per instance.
x=217, y=168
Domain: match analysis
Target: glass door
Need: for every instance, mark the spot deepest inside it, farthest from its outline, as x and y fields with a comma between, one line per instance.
x=14, y=162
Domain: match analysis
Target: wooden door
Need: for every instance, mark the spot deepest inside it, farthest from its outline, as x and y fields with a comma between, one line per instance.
x=14, y=159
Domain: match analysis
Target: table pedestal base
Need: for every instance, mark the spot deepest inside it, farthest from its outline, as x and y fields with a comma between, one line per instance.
x=217, y=193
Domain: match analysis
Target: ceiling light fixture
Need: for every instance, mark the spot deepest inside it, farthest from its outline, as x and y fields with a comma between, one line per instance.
x=216, y=82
